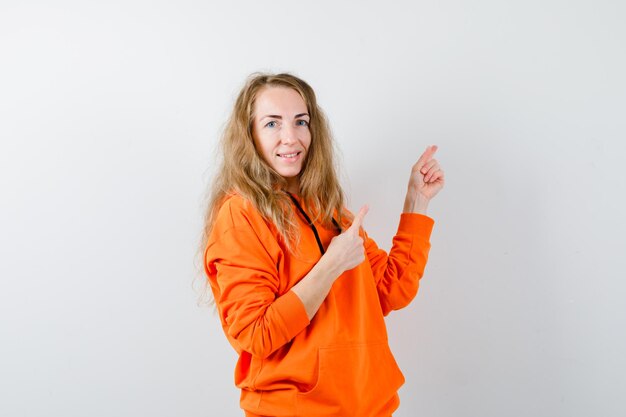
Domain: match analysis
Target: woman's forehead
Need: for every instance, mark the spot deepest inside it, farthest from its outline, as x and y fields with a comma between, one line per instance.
x=279, y=100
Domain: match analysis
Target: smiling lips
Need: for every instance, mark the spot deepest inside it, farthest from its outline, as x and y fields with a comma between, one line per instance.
x=292, y=155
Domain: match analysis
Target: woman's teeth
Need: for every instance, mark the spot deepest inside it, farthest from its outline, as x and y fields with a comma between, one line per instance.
x=288, y=155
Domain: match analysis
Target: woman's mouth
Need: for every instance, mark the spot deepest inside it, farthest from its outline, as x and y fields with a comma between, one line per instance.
x=289, y=156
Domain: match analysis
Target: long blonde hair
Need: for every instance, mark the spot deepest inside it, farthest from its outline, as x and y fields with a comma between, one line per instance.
x=245, y=172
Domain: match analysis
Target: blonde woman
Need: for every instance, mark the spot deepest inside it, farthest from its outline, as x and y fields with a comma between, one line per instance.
x=300, y=288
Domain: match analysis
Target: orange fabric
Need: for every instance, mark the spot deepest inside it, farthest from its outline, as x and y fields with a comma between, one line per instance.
x=339, y=363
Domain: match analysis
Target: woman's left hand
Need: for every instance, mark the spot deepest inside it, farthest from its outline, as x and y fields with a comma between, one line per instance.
x=427, y=179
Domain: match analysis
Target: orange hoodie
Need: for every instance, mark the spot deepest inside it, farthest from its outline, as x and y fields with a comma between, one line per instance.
x=339, y=363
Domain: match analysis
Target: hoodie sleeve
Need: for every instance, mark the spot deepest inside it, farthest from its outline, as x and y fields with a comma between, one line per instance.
x=241, y=259
x=398, y=273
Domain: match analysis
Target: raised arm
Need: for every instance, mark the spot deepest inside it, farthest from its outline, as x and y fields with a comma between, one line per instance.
x=397, y=275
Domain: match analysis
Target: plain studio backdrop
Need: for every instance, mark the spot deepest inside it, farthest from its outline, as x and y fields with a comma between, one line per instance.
x=109, y=119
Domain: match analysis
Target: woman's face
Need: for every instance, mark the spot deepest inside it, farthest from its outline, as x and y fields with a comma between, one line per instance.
x=281, y=131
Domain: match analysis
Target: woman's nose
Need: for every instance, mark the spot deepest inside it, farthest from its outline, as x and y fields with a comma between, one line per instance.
x=288, y=135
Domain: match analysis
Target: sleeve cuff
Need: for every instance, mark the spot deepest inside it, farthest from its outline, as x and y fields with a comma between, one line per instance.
x=416, y=224
x=292, y=312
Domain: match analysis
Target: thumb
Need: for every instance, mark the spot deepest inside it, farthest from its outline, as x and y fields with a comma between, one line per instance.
x=358, y=219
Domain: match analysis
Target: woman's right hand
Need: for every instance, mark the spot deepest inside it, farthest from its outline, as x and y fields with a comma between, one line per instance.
x=346, y=250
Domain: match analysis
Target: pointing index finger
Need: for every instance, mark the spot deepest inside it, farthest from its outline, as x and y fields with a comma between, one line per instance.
x=426, y=156
x=358, y=219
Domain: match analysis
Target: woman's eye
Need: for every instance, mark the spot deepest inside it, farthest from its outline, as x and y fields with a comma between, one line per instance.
x=302, y=123
x=271, y=124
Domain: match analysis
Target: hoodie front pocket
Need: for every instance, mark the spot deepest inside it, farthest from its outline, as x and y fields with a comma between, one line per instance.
x=352, y=380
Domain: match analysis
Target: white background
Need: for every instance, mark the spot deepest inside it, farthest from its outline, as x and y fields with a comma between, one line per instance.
x=109, y=116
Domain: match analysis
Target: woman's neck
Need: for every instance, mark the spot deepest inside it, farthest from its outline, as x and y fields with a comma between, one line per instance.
x=293, y=185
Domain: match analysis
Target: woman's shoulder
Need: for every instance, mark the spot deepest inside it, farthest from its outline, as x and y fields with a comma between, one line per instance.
x=236, y=211
x=238, y=222
x=234, y=200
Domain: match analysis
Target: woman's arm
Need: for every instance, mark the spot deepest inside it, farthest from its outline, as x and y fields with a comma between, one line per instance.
x=397, y=275
x=241, y=268
x=406, y=264
x=241, y=265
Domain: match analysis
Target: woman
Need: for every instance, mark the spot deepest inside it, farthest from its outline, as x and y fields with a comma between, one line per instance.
x=300, y=288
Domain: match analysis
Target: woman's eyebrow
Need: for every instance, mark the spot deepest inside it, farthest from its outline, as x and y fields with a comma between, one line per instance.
x=276, y=116
x=273, y=116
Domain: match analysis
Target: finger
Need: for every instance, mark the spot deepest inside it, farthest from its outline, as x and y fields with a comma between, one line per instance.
x=428, y=166
x=426, y=156
x=429, y=173
x=439, y=176
x=436, y=176
x=358, y=219
x=429, y=177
